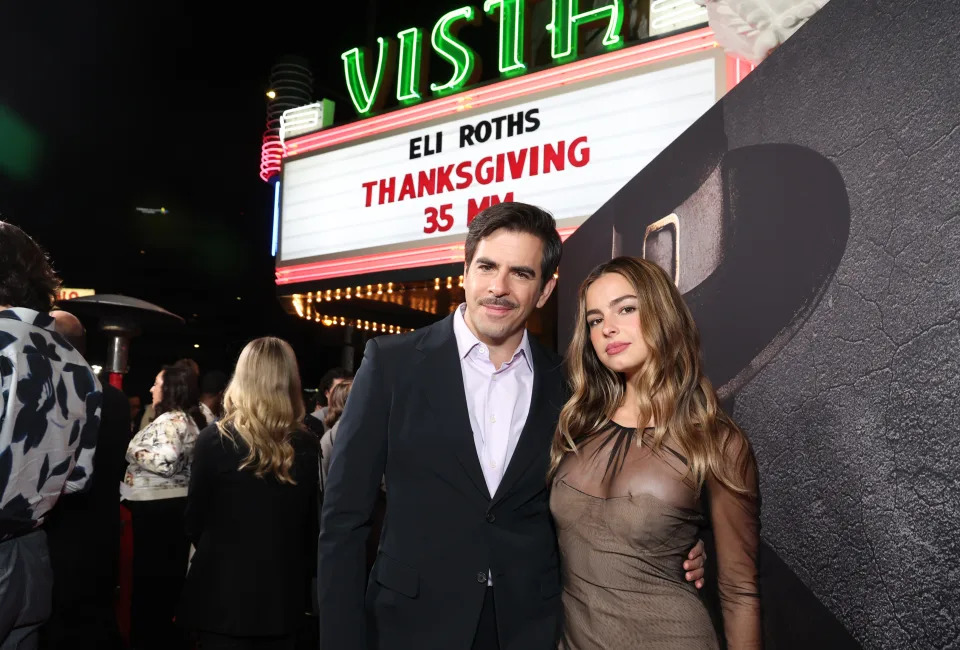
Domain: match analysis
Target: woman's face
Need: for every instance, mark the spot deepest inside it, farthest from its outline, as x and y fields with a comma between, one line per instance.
x=613, y=321
x=157, y=390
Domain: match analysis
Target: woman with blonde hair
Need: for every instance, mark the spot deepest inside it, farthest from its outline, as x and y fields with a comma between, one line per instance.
x=642, y=458
x=252, y=509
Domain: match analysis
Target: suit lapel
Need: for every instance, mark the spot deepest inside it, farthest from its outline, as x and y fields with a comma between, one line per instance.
x=443, y=379
x=534, y=437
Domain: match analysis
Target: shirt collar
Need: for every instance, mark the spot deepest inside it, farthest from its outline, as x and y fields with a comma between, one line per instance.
x=467, y=340
x=39, y=319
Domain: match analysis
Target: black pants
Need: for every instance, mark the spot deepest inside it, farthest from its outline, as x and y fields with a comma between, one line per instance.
x=84, y=539
x=210, y=641
x=160, y=550
x=486, y=637
x=26, y=584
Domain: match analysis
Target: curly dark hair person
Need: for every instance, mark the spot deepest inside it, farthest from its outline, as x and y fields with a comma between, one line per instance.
x=26, y=277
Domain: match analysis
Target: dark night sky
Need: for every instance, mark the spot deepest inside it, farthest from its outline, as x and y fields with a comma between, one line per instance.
x=162, y=104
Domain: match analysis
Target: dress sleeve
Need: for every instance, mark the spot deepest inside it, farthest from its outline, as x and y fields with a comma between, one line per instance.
x=736, y=525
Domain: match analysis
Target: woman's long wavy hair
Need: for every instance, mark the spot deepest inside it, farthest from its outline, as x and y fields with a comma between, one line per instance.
x=671, y=387
x=263, y=405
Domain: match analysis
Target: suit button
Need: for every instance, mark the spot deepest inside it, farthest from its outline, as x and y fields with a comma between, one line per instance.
x=482, y=577
x=491, y=517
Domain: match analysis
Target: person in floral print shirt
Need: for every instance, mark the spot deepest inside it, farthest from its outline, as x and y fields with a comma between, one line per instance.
x=49, y=418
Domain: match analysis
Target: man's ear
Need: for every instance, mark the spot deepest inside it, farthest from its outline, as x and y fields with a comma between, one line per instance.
x=546, y=291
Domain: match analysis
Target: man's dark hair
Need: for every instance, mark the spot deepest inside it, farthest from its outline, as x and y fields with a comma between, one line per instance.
x=181, y=392
x=518, y=217
x=327, y=381
x=26, y=277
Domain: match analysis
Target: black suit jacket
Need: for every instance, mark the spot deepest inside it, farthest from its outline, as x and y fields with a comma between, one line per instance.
x=255, y=540
x=407, y=418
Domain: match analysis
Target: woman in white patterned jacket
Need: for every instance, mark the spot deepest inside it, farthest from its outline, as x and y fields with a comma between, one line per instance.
x=154, y=489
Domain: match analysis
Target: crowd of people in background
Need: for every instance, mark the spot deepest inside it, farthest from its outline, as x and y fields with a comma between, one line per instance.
x=220, y=476
x=223, y=470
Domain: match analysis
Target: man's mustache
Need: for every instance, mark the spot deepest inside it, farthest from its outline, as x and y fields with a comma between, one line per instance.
x=498, y=302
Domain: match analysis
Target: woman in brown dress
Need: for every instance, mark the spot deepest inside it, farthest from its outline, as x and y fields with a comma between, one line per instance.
x=644, y=457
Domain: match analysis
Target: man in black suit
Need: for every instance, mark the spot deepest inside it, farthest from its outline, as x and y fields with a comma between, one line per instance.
x=458, y=418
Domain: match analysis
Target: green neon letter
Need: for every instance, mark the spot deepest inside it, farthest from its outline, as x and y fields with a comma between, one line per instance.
x=567, y=21
x=366, y=97
x=412, y=63
x=512, y=52
x=445, y=42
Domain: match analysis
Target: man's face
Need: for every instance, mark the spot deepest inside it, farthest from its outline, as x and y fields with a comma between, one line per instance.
x=502, y=284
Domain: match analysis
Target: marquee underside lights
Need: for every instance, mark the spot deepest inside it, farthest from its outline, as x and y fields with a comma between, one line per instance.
x=417, y=296
x=305, y=307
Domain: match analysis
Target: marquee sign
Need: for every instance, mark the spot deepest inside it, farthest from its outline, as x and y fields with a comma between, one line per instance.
x=399, y=190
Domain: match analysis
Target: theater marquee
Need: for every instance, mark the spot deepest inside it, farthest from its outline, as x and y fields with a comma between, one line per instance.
x=398, y=190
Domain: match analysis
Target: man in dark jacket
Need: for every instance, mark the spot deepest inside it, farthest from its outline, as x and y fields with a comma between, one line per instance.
x=84, y=529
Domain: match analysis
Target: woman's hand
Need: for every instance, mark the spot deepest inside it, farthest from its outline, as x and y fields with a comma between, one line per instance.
x=694, y=564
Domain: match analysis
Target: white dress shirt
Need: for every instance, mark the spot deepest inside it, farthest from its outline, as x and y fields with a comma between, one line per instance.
x=498, y=399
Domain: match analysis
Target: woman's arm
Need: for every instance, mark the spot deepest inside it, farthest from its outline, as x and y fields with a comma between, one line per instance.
x=736, y=526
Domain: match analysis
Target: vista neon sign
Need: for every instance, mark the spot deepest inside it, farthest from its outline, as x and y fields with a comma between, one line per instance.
x=405, y=59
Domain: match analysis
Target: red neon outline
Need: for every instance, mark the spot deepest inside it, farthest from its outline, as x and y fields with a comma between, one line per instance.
x=451, y=253
x=578, y=71
x=271, y=153
x=737, y=70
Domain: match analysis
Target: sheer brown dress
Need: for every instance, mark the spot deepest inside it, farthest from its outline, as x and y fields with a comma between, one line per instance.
x=623, y=542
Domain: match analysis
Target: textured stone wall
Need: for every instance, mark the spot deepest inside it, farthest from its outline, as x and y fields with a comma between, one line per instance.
x=855, y=420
